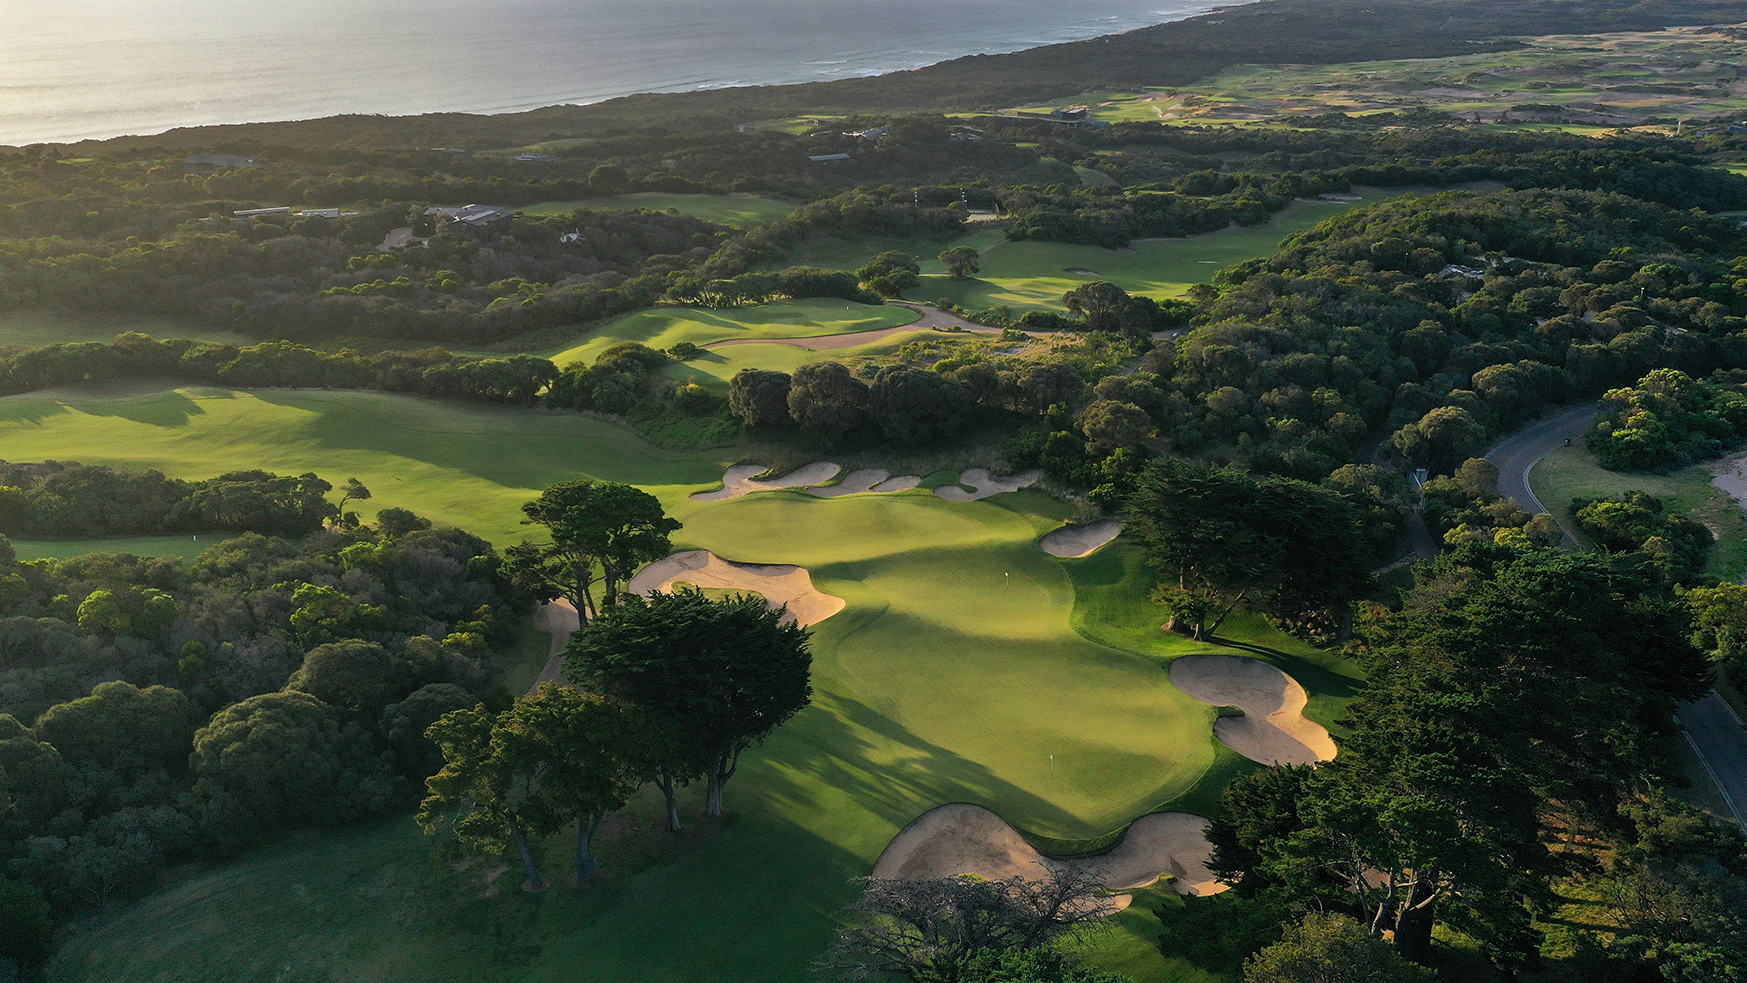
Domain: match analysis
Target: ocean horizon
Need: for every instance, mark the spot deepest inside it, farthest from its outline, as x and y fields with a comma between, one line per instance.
x=132, y=67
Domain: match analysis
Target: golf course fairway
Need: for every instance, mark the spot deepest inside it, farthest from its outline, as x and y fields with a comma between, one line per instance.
x=963, y=669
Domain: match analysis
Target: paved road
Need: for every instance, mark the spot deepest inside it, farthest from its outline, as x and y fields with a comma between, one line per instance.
x=1519, y=452
x=1717, y=735
x=1712, y=727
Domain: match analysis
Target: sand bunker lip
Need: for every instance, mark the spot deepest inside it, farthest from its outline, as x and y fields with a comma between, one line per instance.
x=866, y=480
x=742, y=479
x=983, y=484
x=1273, y=729
x=779, y=583
x=961, y=838
x=1075, y=541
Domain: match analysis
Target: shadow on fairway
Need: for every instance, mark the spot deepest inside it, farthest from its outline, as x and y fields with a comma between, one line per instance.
x=839, y=754
x=173, y=408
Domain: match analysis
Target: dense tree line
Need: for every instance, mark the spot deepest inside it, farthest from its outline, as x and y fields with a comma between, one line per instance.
x=1553, y=732
x=277, y=364
x=1447, y=320
x=666, y=690
x=285, y=277
x=1667, y=421
x=158, y=710
x=61, y=500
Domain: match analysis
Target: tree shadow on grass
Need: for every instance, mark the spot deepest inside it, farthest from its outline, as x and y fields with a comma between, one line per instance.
x=836, y=749
x=170, y=408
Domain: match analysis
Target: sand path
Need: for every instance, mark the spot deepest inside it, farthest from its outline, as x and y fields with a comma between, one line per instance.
x=961, y=838
x=1730, y=474
x=560, y=619
x=780, y=583
x=868, y=480
x=1273, y=729
x=982, y=484
x=1077, y=540
x=742, y=479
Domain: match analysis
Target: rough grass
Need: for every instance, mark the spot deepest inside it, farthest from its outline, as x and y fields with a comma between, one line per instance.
x=1570, y=472
x=1597, y=82
x=664, y=327
x=730, y=209
x=965, y=659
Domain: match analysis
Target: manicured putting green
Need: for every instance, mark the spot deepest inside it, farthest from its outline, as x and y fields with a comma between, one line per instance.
x=664, y=327
x=731, y=209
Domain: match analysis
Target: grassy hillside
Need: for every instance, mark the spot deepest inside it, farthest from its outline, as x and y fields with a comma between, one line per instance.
x=470, y=466
x=1035, y=274
x=664, y=327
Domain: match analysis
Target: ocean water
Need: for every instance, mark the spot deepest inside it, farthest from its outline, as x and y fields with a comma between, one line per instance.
x=77, y=69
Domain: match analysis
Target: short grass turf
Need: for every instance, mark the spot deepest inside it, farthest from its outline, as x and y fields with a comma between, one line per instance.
x=187, y=547
x=664, y=327
x=713, y=369
x=25, y=328
x=962, y=663
x=1571, y=472
x=1029, y=274
x=730, y=209
x=459, y=464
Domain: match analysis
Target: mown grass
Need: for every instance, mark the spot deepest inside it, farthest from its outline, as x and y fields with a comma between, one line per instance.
x=713, y=369
x=664, y=327
x=963, y=662
x=26, y=328
x=1030, y=274
x=729, y=209
x=1571, y=472
x=849, y=254
x=465, y=465
x=187, y=547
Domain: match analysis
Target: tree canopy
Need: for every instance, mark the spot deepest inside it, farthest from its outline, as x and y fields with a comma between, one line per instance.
x=715, y=675
x=1219, y=537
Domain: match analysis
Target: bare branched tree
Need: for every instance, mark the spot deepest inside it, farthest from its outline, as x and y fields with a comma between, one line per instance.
x=899, y=928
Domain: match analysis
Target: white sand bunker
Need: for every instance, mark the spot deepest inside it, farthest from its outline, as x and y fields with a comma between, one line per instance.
x=968, y=839
x=1273, y=729
x=742, y=479
x=983, y=484
x=780, y=583
x=868, y=480
x=1076, y=541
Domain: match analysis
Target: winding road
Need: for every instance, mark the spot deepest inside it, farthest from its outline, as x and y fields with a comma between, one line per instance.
x=1516, y=455
x=1711, y=725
